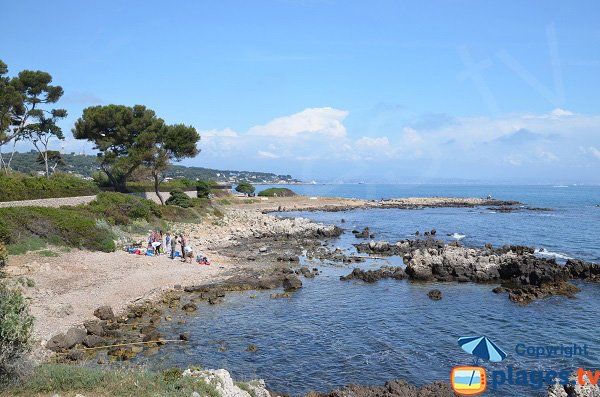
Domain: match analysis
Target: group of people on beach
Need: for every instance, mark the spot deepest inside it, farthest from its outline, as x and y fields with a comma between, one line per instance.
x=155, y=245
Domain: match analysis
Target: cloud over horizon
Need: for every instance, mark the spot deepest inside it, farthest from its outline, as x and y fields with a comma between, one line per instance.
x=471, y=144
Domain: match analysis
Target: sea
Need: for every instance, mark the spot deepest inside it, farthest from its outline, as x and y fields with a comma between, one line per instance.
x=332, y=333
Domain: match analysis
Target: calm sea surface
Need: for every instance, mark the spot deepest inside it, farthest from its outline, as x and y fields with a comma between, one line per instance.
x=331, y=333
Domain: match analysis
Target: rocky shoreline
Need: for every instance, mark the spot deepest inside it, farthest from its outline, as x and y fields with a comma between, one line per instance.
x=277, y=244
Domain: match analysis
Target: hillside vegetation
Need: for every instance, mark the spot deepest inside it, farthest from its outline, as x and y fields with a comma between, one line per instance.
x=16, y=186
x=94, y=226
x=87, y=165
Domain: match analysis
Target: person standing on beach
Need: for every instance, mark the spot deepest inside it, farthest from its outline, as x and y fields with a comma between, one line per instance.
x=168, y=243
x=173, y=246
x=183, y=244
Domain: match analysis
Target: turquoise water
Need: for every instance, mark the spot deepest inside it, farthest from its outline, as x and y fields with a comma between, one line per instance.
x=331, y=333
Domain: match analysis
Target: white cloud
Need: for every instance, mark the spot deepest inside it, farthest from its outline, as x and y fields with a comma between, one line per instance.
x=267, y=155
x=366, y=141
x=558, y=112
x=311, y=121
x=546, y=155
x=226, y=132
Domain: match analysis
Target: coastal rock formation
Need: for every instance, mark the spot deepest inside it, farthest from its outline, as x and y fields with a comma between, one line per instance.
x=523, y=275
x=401, y=248
x=393, y=388
x=372, y=276
x=225, y=386
x=583, y=270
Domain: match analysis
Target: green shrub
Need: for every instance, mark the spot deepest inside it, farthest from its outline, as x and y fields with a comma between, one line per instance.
x=25, y=245
x=245, y=187
x=121, y=208
x=180, y=199
x=277, y=192
x=70, y=226
x=15, y=329
x=17, y=186
x=204, y=188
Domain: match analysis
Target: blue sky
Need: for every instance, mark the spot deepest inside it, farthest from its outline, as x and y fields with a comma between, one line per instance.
x=392, y=91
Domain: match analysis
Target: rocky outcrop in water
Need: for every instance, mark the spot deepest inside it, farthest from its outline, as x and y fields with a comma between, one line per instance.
x=524, y=276
x=372, y=276
x=402, y=247
x=393, y=388
x=583, y=270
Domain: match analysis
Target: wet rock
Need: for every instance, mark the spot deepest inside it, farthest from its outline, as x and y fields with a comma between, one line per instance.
x=104, y=313
x=93, y=341
x=189, y=307
x=435, y=294
x=393, y=388
x=364, y=234
x=291, y=283
x=94, y=328
x=583, y=270
x=154, y=336
x=62, y=342
x=74, y=355
x=499, y=290
x=372, y=276
x=252, y=348
x=121, y=352
x=281, y=295
x=184, y=336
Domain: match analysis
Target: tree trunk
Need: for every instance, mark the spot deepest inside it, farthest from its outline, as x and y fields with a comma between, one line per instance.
x=46, y=164
x=156, y=185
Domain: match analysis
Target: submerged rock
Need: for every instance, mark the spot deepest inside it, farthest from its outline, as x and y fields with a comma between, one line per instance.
x=393, y=388
x=435, y=294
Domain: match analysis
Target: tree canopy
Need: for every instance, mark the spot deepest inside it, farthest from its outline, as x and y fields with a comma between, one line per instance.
x=245, y=187
x=128, y=138
x=22, y=111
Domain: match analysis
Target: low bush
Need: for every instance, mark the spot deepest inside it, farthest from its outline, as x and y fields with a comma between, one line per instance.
x=70, y=226
x=18, y=186
x=180, y=199
x=70, y=379
x=15, y=330
x=277, y=192
x=204, y=188
x=121, y=208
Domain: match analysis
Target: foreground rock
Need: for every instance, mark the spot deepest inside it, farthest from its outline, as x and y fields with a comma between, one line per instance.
x=393, y=388
x=222, y=381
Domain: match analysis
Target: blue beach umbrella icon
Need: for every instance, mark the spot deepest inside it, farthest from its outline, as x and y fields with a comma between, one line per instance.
x=481, y=347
